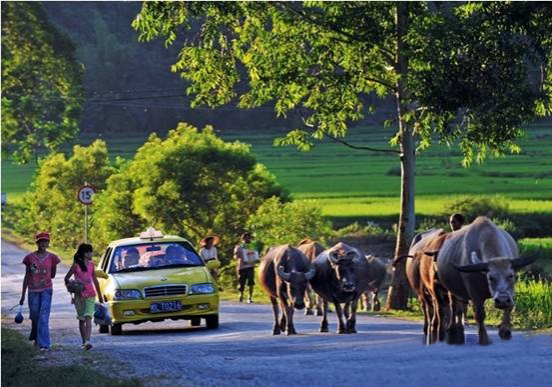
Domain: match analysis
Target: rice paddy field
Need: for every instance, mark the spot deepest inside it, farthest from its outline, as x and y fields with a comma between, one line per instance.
x=354, y=184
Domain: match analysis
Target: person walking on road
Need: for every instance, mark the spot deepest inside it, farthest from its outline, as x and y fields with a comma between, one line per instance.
x=85, y=302
x=40, y=268
x=247, y=254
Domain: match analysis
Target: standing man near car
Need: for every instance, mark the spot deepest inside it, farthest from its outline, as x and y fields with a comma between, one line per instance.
x=247, y=255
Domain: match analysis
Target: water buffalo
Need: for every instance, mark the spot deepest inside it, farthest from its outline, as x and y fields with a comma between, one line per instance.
x=413, y=273
x=284, y=273
x=478, y=262
x=379, y=275
x=430, y=280
x=342, y=274
x=311, y=249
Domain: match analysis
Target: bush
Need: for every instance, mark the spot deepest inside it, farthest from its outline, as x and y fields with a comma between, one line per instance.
x=473, y=206
x=52, y=205
x=277, y=223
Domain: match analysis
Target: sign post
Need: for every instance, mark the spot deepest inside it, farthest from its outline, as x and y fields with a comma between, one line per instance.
x=85, y=195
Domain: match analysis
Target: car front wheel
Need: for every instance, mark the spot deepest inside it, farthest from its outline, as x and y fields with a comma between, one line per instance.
x=117, y=329
x=195, y=322
x=212, y=321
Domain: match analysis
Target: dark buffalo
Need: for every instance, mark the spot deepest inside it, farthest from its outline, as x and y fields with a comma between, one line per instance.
x=342, y=274
x=311, y=249
x=378, y=278
x=479, y=262
x=284, y=274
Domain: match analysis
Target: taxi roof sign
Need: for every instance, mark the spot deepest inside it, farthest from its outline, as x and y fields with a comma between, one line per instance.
x=151, y=233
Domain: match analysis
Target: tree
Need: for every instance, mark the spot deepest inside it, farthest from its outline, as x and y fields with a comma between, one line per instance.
x=52, y=204
x=41, y=82
x=191, y=184
x=458, y=70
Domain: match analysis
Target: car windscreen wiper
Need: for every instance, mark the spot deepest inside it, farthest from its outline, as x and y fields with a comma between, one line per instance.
x=129, y=269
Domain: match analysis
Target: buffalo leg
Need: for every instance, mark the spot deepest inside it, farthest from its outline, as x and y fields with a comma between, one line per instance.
x=505, y=327
x=376, y=306
x=310, y=301
x=479, y=309
x=288, y=312
x=339, y=313
x=276, y=329
x=351, y=319
x=324, y=323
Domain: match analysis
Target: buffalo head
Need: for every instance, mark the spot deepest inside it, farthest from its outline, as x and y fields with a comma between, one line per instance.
x=500, y=274
x=343, y=260
x=297, y=282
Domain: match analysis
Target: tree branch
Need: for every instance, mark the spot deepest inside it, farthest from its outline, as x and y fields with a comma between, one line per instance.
x=360, y=147
x=388, y=56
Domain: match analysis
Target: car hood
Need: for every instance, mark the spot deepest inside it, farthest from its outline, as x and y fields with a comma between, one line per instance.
x=141, y=279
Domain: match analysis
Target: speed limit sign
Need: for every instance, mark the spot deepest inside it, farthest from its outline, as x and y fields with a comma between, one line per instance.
x=85, y=194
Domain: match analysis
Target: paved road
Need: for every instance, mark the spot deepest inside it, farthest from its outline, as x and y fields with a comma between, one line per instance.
x=385, y=352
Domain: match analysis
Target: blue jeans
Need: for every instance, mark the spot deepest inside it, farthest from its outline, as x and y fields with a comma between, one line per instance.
x=39, y=307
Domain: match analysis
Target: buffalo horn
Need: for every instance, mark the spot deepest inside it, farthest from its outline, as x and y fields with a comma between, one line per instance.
x=476, y=267
x=524, y=261
x=309, y=274
x=282, y=274
x=400, y=258
x=332, y=257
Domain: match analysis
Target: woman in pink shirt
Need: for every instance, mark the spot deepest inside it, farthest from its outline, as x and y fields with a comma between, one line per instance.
x=40, y=268
x=85, y=302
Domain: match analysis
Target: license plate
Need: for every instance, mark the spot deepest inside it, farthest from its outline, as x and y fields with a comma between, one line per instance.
x=167, y=306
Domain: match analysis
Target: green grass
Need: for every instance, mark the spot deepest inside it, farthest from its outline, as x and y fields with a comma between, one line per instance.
x=21, y=368
x=353, y=183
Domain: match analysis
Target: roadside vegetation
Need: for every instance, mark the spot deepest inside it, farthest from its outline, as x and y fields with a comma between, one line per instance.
x=346, y=210
x=22, y=366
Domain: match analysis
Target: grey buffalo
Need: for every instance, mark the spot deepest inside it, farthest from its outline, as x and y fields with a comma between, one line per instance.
x=284, y=273
x=342, y=274
x=475, y=263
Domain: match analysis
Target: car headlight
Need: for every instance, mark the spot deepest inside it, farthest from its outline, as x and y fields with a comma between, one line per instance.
x=127, y=294
x=202, y=289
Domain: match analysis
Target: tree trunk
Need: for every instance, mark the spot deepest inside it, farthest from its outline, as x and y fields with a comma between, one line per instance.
x=397, y=297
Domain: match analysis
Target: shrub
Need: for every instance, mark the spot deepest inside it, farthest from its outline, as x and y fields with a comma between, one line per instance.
x=52, y=205
x=473, y=206
x=277, y=223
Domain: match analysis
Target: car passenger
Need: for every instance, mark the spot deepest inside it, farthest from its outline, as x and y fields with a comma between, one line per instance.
x=174, y=255
x=131, y=258
x=149, y=259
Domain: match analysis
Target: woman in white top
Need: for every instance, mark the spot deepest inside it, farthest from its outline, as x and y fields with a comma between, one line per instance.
x=208, y=251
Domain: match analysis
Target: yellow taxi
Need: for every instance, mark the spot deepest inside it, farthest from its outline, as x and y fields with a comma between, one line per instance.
x=155, y=277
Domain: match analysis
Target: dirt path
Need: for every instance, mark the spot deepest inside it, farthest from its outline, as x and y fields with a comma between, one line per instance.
x=385, y=352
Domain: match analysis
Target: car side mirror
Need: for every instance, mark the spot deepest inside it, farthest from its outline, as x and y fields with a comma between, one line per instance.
x=101, y=274
x=212, y=264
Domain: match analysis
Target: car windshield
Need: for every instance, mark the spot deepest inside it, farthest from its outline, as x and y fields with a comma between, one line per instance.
x=150, y=256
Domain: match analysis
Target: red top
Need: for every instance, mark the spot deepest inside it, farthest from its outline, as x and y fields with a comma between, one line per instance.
x=40, y=271
x=87, y=279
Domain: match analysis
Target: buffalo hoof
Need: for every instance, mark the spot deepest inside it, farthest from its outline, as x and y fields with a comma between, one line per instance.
x=351, y=330
x=308, y=312
x=291, y=332
x=319, y=312
x=341, y=331
x=276, y=332
x=324, y=329
x=484, y=340
x=505, y=334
